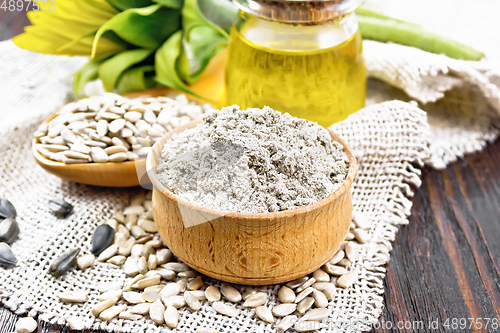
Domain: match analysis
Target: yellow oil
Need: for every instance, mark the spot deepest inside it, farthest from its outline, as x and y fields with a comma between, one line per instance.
x=323, y=85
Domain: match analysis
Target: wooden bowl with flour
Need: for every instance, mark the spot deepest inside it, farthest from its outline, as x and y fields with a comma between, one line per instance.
x=251, y=248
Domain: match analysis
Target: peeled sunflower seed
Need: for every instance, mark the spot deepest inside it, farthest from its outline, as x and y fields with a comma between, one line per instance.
x=199, y=294
x=75, y=323
x=316, y=314
x=176, y=266
x=101, y=306
x=255, y=300
x=337, y=257
x=195, y=284
x=133, y=297
x=116, y=293
x=175, y=301
x=171, y=317
x=141, y=309
x=85, y=261
x=286, y=323
x=320, y=299
x=108, y=253
x=147, y=282
x=212, y=294
x=74, y=296
x=265, y=314
x=112, y=312
x=282, y=310
x=230, y=293
x=360, y=220
x=7, y=209
x=157, y=311
x=171, y=289
x=193, y=303
x=26, y=325
x=9, y=229
x=225, y=309
x=306, y=284
x=297, y=282
x=150, y=296
x=60, y=207
x=163, y=256
x=305, y=304
x=304, y=294
x=107, y=286
x=129, y=316
x=102, y=239
x=64, y=263
x=321, y=276
x=347, y=280
x=286, y=295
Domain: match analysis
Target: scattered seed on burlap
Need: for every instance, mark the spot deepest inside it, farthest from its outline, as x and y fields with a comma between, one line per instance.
x=26, y=325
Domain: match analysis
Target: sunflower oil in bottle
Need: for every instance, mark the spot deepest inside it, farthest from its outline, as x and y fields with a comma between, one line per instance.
x=313, y=71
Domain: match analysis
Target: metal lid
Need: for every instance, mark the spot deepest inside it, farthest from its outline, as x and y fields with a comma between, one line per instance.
x=298, y=11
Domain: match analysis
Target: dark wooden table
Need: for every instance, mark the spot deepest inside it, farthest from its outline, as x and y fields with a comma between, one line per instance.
x=444, y=271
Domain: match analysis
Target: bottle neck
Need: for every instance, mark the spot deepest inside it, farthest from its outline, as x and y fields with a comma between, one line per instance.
x=296, y=37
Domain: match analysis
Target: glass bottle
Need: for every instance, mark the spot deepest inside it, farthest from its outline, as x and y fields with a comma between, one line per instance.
x=300, y=57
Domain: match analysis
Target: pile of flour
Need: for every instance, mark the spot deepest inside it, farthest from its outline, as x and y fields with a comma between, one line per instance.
x=254, y=161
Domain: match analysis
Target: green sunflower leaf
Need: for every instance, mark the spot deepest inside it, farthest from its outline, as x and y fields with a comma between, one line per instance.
x=146, y=27
x=122, y=5
x=136, y=79
x=112, y=69
x=85, y=74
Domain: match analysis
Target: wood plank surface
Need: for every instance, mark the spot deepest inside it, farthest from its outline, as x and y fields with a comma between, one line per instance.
x=445, y=262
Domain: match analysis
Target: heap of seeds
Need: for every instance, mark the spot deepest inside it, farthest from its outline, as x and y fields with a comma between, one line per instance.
x=112, y=128
x=159, y=284
x=254, y=161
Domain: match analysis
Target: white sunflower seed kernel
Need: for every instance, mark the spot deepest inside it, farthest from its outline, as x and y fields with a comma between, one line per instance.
x=285, y=309
x=306, y=284
x=230, y=293
x=176, y=266
x=117, y=260
x=74, y=296
x=26, y=325
x=175, y=301
x=117, y=293
x=131, y=267
x=212, y=294
x=225, y=309
x=286, y=323
x=108, y=253
x=316, y=314
x=337, y=257
x=361, y=235
x=147, y=282
x=305, y=304
x=171, y=317
x=142, y=264
x=101, y=306
x=150, y=296
x=129, y=316
x=85, y=261
x=320, y=299
x=166, y=274
x=107, y=286
x=164, y=256
x=360, y=220
x=286, y=295
x=195, y=284
x=304, y=294
x=334, y=269
x=193, y=303
x=171, y=289
x=112, y=312
x=347, y=280
x=156, y=312
x=141, y=309
x=265, y=314
x=133, y=297
x=321, y=276
x=255, y=300
x=76, y=323
x=297, y=282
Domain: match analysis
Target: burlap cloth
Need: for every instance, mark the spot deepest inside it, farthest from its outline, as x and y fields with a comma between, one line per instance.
x=391, y=140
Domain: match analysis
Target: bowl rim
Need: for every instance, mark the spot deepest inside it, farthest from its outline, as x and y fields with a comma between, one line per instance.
x=158, y=147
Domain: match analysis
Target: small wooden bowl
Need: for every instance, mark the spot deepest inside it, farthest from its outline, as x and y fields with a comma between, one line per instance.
x=246, y=248
x=119, y=174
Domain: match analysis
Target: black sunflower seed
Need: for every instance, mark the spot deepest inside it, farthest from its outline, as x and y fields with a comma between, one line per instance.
x=60, y=207
x=9, y=229
x=103, y=237
x=7, y=258
x=64, y=263
x=7, y=209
